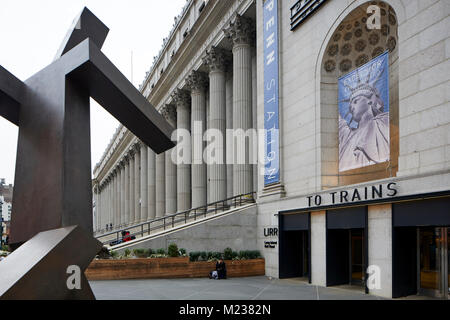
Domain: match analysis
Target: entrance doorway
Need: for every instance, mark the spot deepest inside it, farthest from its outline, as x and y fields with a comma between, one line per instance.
x=346, y=257
x=296, y=255
x=295, y=246
x=433, y=261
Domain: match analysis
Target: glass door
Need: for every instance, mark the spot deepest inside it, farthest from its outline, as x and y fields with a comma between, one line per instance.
x=357, y=256
x=434, y=262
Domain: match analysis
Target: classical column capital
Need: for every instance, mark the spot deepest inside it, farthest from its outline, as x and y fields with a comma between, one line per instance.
x=137, y=147
x=197, y=81
x=131, y=152
x=181, y=98
x=169, y=113
x=126, y=159
x=240, y=30
x=141, y=144
x=217, y=59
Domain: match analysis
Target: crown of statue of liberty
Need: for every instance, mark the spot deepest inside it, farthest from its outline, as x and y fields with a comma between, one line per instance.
x=367, y=87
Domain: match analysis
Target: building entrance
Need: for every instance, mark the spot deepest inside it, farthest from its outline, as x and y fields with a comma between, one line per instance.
x=295, y=247
x=420, y=248
x=347, y=247
x=433, y=261
x=346, y=257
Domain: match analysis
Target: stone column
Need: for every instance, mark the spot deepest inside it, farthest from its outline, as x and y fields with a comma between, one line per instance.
x=160, y=185
x=171, y=169
x=137, y=183
x=131, y=182
x=122, y=192
x=97, y=207
x=102, y=205
x=117, y=197
x=182, y=104
x=127, y=190
x=151, y=184
x=144, y=182
x=229, y=121
x=108, y=201
x=240, y=31
x=216, y=60
x=197, y=83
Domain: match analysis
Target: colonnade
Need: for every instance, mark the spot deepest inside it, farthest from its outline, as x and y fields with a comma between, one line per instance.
x=144, y=186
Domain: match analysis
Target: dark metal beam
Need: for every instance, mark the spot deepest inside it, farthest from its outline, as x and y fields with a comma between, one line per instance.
x=11, y=91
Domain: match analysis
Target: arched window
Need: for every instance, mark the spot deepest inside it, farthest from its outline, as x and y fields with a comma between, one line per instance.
x=359, y=99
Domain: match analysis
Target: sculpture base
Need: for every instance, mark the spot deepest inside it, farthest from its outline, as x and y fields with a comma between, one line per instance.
x=50, y=266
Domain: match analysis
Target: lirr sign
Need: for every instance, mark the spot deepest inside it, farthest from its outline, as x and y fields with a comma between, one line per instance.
x=271, y=92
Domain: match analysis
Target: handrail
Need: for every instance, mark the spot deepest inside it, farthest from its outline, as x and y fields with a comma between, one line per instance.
x=214, y=207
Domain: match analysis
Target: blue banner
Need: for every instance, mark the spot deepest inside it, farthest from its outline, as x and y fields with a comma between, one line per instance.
x=364, y=135
x=271, y=89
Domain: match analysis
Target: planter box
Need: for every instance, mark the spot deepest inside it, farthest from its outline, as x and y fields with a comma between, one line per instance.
x=169, y=268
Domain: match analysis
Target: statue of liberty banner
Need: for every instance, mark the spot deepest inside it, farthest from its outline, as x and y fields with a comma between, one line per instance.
x=364, y=115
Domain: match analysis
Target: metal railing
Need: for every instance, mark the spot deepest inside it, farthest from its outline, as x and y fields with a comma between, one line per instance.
x=169, y=221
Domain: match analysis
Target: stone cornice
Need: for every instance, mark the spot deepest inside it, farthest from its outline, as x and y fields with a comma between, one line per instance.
x=207, y=31
x=166, y=44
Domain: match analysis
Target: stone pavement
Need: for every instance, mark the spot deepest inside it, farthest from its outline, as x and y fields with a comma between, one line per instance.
x=252, y=288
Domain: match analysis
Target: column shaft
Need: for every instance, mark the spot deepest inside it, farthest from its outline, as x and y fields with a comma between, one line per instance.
x=229, y=125
x=242, y=113
x=160, y=185
x=197, y=83
x=137, y=186
x=144, y=183
x=127, y=193
x=131, y=198
x=218, y=183
x=151, y=184
x=183, y=150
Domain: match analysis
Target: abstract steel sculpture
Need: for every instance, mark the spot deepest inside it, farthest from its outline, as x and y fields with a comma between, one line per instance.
x=53, y=187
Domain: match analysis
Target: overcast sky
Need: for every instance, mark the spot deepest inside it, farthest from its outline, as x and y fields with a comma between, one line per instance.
x=31, y=32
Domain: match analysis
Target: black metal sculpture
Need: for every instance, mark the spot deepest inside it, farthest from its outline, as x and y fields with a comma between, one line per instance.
x=52, y=182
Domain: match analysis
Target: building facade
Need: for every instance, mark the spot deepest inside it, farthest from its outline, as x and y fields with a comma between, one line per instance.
x=353, y=101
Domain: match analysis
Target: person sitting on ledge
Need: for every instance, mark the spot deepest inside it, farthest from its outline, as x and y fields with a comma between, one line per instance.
x=221, y=269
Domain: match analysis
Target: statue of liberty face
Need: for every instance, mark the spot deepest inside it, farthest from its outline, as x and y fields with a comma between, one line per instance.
x=361, y=105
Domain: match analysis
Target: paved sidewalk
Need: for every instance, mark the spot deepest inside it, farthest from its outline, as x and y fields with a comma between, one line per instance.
x=252, y=288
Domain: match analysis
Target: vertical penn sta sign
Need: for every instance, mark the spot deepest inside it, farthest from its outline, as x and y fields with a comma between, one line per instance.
x=271, y=91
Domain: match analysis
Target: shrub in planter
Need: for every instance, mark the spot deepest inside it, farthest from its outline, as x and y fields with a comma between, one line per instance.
x=243, y=255
x=254, y=254
x=204, y=255
x=194, y=256
x=182, y=252
x=161, y=251
x=114, y=254
x=140, y=253
x=228, y=254
x=234, y=255
x=104, y=254
x=150, y=252
x=172, y=250
x=216, y=255
x=127, y=253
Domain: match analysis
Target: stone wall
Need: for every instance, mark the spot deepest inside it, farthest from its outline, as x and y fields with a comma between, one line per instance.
x=236, y=231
